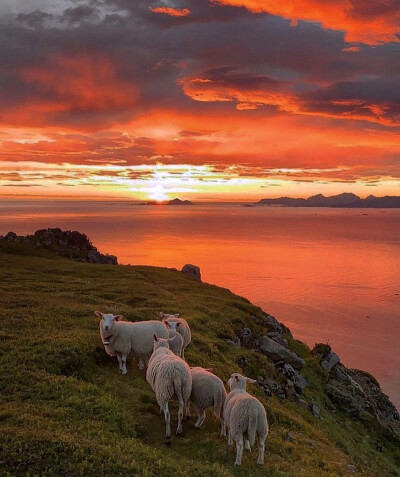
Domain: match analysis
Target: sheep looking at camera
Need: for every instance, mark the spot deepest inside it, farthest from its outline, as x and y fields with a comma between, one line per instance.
x=180, y=325
x=121, y=338
x=169, y=376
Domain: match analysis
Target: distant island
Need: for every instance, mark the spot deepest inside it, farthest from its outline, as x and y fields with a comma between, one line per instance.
x=345, y=200
x=177, y=201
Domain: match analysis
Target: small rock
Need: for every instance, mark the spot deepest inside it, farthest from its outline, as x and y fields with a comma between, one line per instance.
x=330, y=360
x=303, y=403
x=242, y=361
x=351, y=469
x=315, y=410
x=255, y=319
x=379, y=448
x=290, y=437
x=272, y=323
x=192, y=271
x=295, y=377
x=246, y=338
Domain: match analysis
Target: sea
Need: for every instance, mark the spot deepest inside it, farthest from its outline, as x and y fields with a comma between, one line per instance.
x=331, y=275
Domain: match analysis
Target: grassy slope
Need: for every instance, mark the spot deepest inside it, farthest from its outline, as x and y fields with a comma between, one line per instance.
x=65, y=410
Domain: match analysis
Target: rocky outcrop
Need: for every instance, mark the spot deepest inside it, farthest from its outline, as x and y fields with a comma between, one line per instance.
x=70, y=244
x=356, y=392
x=279, y=353
x=192, y=271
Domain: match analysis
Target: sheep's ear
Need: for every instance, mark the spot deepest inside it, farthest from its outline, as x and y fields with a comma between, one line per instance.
x=118, y=317
x=99, y=314
x=171, y=339
x=250, y=381
x=176, y=315
x=155, y=337
x=162, y=315
x=208, y=369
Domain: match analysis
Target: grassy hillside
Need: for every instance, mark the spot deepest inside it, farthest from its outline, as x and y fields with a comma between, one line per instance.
x=66, y=411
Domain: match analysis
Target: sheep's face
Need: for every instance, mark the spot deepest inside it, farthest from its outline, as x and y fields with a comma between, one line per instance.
x=161, y=342
x=237, y=381
x=174, y=325
x=108, y=321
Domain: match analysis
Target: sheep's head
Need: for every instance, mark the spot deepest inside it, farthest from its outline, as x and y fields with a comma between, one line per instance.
x=107, y=320
x=166, y=316
x=161, y=342
x=237, y=381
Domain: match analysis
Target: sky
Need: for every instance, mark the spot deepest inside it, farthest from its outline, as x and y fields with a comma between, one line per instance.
x=199, y=99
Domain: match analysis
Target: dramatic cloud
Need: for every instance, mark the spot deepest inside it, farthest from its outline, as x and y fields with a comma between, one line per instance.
x=365, y=21
x=277, y=93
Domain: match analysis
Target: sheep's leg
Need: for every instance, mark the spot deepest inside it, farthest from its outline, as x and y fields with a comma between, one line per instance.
x=119, y=357
x=230, y=440
x=123, y=362
x=200, y=419
x=167, y=417
x=187, y=411
x=179, y=430
x=261, y=449
x=223, y=428
x=239, y=449
x=247, y=445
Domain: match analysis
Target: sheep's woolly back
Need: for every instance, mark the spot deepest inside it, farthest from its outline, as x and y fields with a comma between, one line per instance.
x=247, y=415
x=167, y=373
x=134, y=337
x=176, y=345
x=183, y=329
x=207, y=390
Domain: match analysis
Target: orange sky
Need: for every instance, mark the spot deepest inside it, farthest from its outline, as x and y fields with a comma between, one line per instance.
x=227, y=100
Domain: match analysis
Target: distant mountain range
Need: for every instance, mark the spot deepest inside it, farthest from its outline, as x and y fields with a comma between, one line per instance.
x=346, y=200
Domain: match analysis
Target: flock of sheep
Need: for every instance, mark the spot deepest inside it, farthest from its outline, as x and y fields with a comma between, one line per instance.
x=161, y=345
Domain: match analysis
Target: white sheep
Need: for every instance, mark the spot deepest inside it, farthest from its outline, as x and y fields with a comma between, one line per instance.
x=121, y=338
x=169, y=376
x=180, y=325
x=207, y=390
x=244, y=414
x=176, y=345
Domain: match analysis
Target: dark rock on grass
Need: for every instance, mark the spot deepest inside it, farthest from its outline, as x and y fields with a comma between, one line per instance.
x=192, y=271
x=272, y=324
x=277, y=353
x=330, y=360
x=315, y=410
x=295, y=377
x=246, y=338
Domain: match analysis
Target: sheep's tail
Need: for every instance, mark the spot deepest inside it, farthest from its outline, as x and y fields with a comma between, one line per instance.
x=251, y=431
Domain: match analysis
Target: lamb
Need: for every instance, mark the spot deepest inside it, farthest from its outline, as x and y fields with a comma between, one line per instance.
x=180, y=325
x=176, y=345
x=244, y=414
x=122, y=337
x=207, y=390
x=169, y=376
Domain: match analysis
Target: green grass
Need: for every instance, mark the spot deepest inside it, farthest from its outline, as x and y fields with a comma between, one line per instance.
x=66, y=411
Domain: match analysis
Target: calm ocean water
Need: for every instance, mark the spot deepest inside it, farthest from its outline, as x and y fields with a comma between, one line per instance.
x=331, y=275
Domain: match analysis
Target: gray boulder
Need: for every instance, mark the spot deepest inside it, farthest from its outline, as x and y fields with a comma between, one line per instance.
x=277, y=353
x=272, y=324
x=246, y=338
x=330, y=360
x=297, y=379
x=192, y=271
